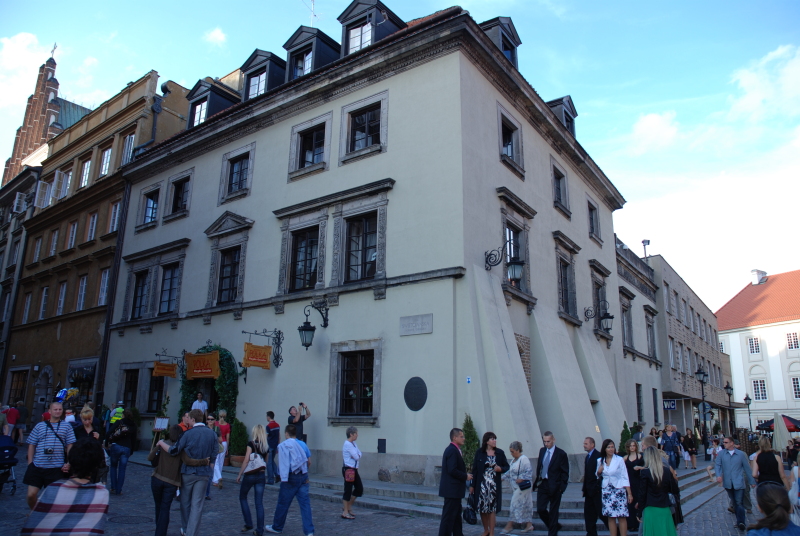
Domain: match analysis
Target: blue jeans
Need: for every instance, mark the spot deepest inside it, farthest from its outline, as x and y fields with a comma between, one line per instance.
x=272, y=467
x=736, y=496
x=163, y=495
x=119, y=461
x=296, y=486
x=257, y=482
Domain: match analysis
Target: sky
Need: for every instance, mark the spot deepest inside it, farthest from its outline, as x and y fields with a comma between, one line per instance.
x=692, y=109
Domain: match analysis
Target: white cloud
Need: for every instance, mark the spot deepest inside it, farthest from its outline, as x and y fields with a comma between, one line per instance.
x=20, y=58
x=653, y=132
x=215, y=37
x=769, y=87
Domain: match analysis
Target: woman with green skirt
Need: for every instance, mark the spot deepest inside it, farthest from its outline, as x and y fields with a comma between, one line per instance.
x=653, y=498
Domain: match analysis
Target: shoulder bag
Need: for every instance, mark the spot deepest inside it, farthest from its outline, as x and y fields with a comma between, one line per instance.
x=525, y=484
x=60, y=440
x=349, y=474
x=255, y=465
x=468, y=514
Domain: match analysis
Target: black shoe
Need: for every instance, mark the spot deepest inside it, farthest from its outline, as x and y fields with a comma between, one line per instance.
x=208, y=498
x=558, y=527
x=246, y=528
x=741, y=526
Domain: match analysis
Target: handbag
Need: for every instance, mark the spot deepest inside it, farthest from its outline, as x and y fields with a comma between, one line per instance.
x=468, y=514
x=349, y=475
x=255, y=464
x=525, y=484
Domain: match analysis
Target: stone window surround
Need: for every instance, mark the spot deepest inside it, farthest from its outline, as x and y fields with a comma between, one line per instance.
x=224, y=196
x=10, y=371
x=596, y=236
x=151, y=260
x=143, y=193
x=562, y=207
x=346, y=156
x=598, y=274
x=172, y=216
x=334, y=383
x=371, y=197
x=566, y=250
x=517, y=163
x=296, y=172
x=517, y=212
x=143, y=386
x=222, y=239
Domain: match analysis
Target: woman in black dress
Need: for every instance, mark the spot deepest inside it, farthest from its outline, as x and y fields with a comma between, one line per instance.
x=632, y=460
x=87, y=429
x=690, y=448
x=768, y=466
x=489, y=464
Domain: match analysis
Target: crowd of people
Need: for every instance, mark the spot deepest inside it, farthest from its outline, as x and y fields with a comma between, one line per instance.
x=634, y=490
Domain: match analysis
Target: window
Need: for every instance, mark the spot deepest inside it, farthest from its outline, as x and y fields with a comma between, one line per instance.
x=676, y=305
x=130, y=387
x=792, y=342
x=237, y=177
x=156, y=395
x=12, y=259
x=639, y=403
x=356, y=386
x=507, y=134
x=671, y=352
x=199, y=114
x=760, y=390
x=127, y=149
x=627, y=326
x=514, y=252
x=359, y=37
x=139, y=295
x=62, y=294
x=105, y=162
x=564, y=286
x=698, y=329
x=689, y=369
x=754, y=345
x=301, y=63
x=655, y=406
x=228, y=275
x=27, y=308
x=680, y=356
x=6, y=304
x=102, y=294
x=169, y=289
x=92, y=227
x=151, y=207
x=81, y=303
x=113, y=220
x=796, y=388
x=312, y=147
x=180, y=195
x=365, y=128
x=73, y=231
x=43, y=303
x=651, y=337
x=257, y=84
x=560, y=197
x=85, y=170
x=686, y=317
x=594, y=221
x=304, y=259
x=19, y=380
x=37, y=248
x=362, y=250
x=509, y=51
x=690, y=319
x=667, y=297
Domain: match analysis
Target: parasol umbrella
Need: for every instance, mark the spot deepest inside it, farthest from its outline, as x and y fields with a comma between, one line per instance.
x=792, y=424
x=781, y=435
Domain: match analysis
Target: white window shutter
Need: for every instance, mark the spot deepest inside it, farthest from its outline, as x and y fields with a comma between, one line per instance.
x=65, y=184
x=58, y=184
x=19, y=202
x=42, y=195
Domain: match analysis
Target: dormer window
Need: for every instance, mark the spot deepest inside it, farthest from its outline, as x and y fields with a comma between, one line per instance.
x=200, y=109
x=301, y=63
x=569, y=122
x=509, y=51
x=257, y=83
x=359, y=36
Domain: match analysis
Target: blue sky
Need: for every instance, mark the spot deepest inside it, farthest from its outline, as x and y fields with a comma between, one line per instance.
x=691, y=108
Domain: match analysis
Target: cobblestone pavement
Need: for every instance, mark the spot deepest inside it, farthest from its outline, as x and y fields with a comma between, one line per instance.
x=713, y=519
x=133, y=513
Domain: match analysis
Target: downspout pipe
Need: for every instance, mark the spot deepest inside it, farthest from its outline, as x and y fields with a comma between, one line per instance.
x=156, y=108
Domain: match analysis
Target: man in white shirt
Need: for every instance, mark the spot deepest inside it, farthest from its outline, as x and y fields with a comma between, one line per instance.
x=201, y=404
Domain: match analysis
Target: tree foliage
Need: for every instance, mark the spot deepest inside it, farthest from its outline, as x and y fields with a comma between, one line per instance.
x=226, y=385
x=239, y=438
x=624, y=437
x=472, y=442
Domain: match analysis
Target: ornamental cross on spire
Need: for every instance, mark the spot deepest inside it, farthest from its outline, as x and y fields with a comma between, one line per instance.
x=53, y=52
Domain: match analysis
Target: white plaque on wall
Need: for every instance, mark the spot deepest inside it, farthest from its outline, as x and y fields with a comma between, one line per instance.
x=416, y=325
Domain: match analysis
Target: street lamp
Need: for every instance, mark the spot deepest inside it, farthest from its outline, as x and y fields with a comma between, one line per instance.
x=702, y=377
x=514, y=264
x=606, y=319
x=748, y=401
x=729, y=391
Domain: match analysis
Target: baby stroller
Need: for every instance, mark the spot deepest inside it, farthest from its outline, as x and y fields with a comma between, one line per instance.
x=8, y=459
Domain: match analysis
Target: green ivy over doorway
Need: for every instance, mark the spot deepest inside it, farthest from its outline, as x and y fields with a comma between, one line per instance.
x=227, y=385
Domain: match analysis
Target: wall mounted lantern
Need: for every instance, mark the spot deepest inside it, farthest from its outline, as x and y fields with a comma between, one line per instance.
x=515, y=265
x=606, y=319
x=307, y=330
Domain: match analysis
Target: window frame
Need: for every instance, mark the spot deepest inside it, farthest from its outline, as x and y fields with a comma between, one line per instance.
x=754, y=345
x=185, y=178
x=567, y=301
x=105, y=161
x=792, y=341
x=150, y=261
x=26, y=308
x=306, y=54
x=261, y=76
x=234, y=251
x=796, y=387
x=334, y=382
x=172, y=297
x=80, y=300
x=43, y=296
x=139, y=307
x=515, y=161
x=62, y=296
x=72, y=235
x=560, y=181
x=127, y=148
x=91, y=226
x=365, y=218
x=37, y=249
x=360, y=25
x=228, y=158
x=155, y=392
x=113, y=217
x=152, y=190
x=296, y=146
x=348, y=111
x=595, y=232
x=312, y=272
x=86, y=173
x=760, y=392
x=199, y=112
x=102, y=293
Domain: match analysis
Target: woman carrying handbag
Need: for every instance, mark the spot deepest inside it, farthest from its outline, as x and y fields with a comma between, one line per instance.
x=519, y=477
x=255, y=476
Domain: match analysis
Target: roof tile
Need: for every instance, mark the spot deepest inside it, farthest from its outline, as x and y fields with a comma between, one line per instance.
x=775, y=300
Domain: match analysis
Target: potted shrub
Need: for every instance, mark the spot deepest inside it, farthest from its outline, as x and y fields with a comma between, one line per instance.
x=238, y=444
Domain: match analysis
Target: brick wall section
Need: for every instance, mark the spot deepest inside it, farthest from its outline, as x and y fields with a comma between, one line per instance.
x=524, y=347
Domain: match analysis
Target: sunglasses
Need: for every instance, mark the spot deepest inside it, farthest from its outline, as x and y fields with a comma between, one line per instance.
x=210, y=419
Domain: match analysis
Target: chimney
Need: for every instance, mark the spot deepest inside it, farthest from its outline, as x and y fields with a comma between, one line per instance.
x=759, y=276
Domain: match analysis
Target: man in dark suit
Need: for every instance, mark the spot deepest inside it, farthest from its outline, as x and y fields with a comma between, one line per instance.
x=592, y=489
x=453, y=485
x=552, y=477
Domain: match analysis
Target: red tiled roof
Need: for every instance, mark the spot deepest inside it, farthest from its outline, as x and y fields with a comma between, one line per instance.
x=775, y=300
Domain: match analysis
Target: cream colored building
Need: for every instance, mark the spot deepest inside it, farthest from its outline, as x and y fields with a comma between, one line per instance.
x=759, y=328
x=379, y=180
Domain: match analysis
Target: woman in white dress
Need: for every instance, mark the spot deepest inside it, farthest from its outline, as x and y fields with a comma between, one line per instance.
x=521, y=509
x=616, y=488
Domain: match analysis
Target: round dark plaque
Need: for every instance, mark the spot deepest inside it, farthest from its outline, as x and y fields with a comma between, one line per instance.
x=416, y=393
